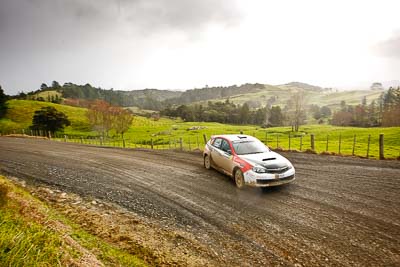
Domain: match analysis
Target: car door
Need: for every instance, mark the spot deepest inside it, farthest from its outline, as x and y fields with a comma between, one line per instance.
x=222, y=156
x=216, y=151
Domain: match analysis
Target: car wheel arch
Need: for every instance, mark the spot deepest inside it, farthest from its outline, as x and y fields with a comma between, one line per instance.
x=234, y=171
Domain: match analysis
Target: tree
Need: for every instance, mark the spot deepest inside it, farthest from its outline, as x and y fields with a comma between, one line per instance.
x=325, y=112
x=99, y=116
x=372, y=114
x=55, y=85
x=121, y=120
x=244, y=114
x=3, y=104
x=43, y=86
x=391, y=107
x=276, y=116
x=342, y=118
x=343, y=106
x=296, y=110
x=376, y=86
x=49, y=119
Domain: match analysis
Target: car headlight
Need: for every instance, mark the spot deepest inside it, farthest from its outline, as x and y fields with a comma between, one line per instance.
x=259, y=169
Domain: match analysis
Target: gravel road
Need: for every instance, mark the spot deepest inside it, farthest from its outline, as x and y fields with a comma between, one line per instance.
x=340, y=211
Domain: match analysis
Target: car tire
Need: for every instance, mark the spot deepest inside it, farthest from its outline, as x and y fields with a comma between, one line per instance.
x=239, y=179
x=207, y=162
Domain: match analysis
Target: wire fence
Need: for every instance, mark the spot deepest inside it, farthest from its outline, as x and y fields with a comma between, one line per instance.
x=373, y=147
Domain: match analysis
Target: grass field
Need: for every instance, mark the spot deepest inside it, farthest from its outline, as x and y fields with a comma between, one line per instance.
x=169, y=131
x=33, y=234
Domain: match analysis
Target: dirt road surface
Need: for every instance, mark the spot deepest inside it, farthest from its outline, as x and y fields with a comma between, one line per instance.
x=339, y=212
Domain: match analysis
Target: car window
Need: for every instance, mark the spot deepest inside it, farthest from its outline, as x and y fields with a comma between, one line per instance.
x=225, y=146
x=217, y=142
x=249, y=147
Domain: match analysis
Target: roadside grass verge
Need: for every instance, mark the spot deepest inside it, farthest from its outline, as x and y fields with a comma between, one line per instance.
x=33, y=234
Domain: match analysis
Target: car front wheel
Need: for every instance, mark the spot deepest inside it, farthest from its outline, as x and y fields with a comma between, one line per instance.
x=239, y=179
x=207, y=162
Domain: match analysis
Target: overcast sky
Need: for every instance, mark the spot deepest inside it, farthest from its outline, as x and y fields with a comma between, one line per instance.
x=183, y=44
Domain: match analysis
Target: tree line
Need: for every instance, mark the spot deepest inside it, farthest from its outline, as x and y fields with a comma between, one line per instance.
x=145, y=99
x=3, y=103
x=226, y=112
x=151, y=99
x=383, y=112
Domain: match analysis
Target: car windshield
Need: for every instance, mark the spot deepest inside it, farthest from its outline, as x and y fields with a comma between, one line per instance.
x=249, y=147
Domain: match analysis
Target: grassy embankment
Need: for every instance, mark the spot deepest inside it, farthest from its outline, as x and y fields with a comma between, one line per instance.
x=165, y=130
x=33, y=234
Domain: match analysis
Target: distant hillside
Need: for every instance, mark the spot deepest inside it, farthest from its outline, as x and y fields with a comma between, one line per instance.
x=208, y=93
x=301, y=86
x=255, y=95
x=146, y=99
x=280, y=94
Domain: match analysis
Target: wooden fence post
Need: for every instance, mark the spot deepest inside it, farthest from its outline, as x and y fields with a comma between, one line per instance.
x=289, y=141
x=277, y=141
x=189, y=144
x=369, y=142
x=312, y=142
x=49, y=135
x=241, y=132
x=381, y=152
x=123, y=142
x=354, y=144
x=266, y=138
x=197, y=139
x=23, y=131
x=205, y=139
x=327, y=143
x=301, y=142
x=65, y=138
x=181, y=143
x=340, y=142
x=151, y=143
x=169, y=142
x=81, y=140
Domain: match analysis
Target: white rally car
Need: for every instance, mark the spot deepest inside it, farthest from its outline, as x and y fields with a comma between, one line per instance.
x=247, y=160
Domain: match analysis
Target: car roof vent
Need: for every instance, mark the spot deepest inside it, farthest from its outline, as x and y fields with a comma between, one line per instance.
x=268, y=159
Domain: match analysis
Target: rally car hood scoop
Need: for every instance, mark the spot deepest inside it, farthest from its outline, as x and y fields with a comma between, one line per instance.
x=270, y=160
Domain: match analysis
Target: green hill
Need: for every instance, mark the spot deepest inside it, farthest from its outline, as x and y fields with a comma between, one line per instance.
x=20, y=113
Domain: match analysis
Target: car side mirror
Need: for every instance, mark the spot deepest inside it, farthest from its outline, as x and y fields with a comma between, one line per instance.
x=229, y=152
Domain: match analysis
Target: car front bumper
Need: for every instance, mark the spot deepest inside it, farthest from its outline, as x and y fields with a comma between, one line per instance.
x=252, y=178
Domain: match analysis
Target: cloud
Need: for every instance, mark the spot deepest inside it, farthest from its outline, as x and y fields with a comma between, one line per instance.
x=150, y=15
x=56, y=39
x=181, y=14
x=389, y=48
x=47, y=24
